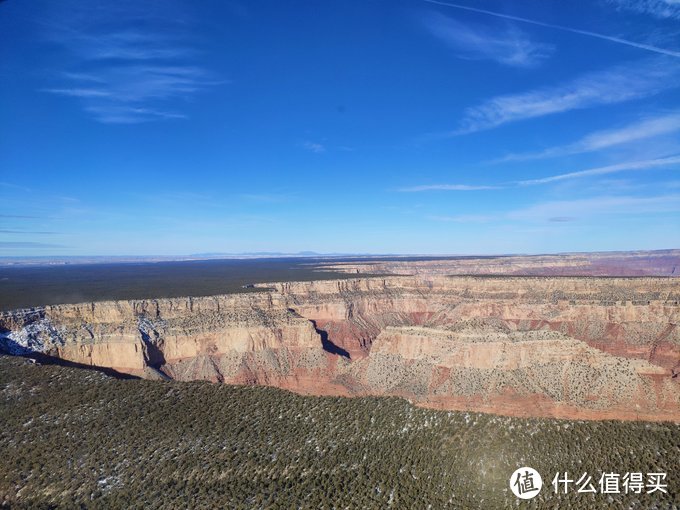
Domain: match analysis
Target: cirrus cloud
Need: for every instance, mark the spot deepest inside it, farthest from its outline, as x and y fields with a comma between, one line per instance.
x=129, y=62
x=509, y=46
x=614, y=85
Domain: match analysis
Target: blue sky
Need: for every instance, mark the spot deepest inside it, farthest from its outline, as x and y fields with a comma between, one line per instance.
x=175, y=127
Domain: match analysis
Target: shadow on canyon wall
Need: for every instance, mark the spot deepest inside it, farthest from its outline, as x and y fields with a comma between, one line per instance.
x=154, y=356
x=328, y=345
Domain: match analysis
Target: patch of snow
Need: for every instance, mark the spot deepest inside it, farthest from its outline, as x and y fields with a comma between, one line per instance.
x=38, y=336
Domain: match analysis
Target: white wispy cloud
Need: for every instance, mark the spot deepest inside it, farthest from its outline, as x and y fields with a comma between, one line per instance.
x=614, y=85
x=588, y=33
x=568, y=211
x=657, y=8
x=647, y=164
x=129, y=44
x=314, y=146
x=129, y=69
x=445, y=187
x=130, y=84
x=604, y=170
x=644, y=129
x=121, y=114
x=598, y=205
x=80, y=92
x=509, y=46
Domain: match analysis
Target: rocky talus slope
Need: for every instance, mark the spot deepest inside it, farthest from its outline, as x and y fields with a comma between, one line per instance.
x=571, y=347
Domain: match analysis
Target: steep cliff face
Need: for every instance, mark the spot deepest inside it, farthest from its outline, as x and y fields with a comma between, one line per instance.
x=568, y=347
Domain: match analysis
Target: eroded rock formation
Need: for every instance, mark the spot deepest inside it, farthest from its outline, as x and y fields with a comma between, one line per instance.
x=526, y=346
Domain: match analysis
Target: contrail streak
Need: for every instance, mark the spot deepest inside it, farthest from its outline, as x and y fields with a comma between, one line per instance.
x=560, y=27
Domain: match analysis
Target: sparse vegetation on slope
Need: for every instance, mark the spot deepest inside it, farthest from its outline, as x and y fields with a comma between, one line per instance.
x=78, y=439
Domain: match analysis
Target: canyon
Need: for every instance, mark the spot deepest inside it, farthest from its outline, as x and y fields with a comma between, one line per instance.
x=548, y=346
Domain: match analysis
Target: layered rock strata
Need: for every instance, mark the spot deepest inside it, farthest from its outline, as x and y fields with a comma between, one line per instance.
x=590, y=348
